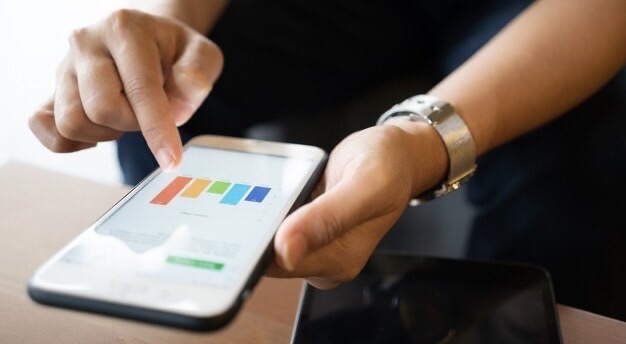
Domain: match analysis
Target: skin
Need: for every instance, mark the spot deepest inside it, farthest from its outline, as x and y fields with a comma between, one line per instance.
x=133, y=71
x=547, y=60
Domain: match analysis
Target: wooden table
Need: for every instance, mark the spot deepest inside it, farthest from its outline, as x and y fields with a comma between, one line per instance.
x=43, y=210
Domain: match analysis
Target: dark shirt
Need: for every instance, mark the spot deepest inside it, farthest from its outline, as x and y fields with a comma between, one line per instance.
x=555, y=197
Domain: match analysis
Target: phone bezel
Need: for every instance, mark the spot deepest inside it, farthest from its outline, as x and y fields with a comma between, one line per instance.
x=46, y=293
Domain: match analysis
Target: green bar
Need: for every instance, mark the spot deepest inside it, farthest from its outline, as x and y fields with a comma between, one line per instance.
x=218, y=187
x=196, y=263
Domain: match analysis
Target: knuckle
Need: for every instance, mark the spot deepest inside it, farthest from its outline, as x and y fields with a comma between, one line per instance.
x=68, y=125
x=47, y=135
x=102, y=117
x=38, y=129
x=331, y=226
x=99, y=111
x=200, y=70
x=78, y=38
x=138, y=90
x=214, y=56
x=123, y=20
x=209, y=49
x=194, y=75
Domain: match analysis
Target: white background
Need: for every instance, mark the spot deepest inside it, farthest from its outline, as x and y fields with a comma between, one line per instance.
x=33, y=40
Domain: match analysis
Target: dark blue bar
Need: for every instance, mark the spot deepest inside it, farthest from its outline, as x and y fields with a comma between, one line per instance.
x=258, y=194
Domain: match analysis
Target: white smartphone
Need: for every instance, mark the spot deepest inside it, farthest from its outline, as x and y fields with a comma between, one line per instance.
x=185, y=248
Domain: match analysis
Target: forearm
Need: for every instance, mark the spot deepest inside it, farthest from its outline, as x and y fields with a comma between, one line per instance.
x=201, y=15
x=549, y=59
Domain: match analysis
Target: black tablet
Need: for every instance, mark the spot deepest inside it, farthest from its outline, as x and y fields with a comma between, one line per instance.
x=400, y=298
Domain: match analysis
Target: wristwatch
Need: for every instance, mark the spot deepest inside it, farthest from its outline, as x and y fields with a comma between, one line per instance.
x=453, y=132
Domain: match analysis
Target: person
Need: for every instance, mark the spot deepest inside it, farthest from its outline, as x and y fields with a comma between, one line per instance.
x=538, y=84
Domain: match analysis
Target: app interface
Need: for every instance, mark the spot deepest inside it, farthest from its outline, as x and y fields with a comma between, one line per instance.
x=200, y=224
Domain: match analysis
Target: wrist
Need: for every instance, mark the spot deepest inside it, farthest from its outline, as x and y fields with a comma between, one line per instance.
x=453, y=133
x=429, y=162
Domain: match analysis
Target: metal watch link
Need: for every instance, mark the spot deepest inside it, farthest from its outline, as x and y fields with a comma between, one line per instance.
x=453, y=132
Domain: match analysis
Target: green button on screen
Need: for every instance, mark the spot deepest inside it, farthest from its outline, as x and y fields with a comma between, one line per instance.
x=195, y=263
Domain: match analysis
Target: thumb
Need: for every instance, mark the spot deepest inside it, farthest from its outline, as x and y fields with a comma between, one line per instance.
x=326, y=218
x=192, y=77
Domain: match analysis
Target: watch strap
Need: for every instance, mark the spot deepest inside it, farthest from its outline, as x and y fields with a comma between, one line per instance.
x=453, y=132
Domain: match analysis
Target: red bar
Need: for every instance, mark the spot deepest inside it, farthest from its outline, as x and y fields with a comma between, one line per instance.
x=166, y=195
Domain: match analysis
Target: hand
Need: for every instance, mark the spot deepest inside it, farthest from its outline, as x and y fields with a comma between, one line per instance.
x=132, y=71
x=369, y=180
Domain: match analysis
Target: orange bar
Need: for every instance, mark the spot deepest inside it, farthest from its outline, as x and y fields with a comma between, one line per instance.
x=196, y=188
x=165, y=196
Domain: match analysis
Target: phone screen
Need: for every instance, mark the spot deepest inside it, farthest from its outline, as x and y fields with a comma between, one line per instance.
x=184, y=241
x=201, y=223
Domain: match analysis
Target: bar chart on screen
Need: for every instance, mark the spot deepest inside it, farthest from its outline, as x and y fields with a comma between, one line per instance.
x=227, y=192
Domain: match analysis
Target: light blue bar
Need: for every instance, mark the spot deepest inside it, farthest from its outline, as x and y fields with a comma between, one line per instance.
x=235, y=194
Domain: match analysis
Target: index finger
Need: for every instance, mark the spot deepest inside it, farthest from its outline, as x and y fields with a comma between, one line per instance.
x=138, y=61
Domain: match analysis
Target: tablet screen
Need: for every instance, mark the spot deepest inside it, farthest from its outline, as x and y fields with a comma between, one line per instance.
x=414, y=299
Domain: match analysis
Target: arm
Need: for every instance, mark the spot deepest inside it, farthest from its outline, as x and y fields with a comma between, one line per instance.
x=133, y=71
x=550, y=58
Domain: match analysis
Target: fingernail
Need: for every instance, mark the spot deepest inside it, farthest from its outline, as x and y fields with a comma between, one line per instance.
x=293, y=251
x=165, y=159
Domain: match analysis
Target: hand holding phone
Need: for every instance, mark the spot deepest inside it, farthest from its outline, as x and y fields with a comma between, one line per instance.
x=184, y=248
x=369, y=179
